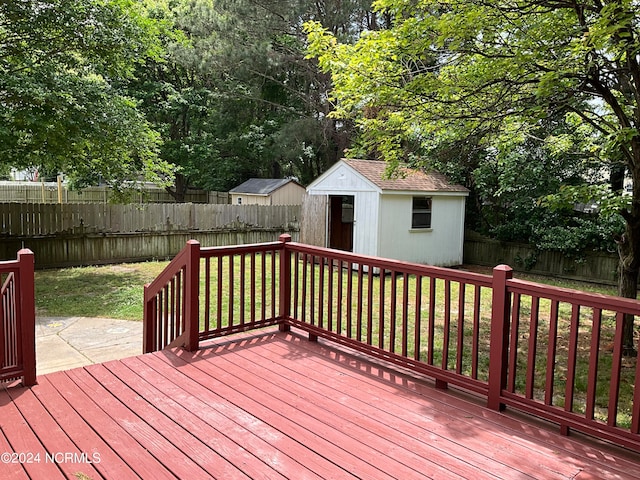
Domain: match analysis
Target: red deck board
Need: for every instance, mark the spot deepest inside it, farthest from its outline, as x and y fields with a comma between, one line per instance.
x=511, y=428
x=383, y=446
x=24, y=441
x=414, y=431
x=9, y=467
x=82, y=435
x=54, y=440
x=274, y=405
x=372, y=449
x=117, y=438
x=429, y=420
x=214, y=417
x=203, y=438
x=259, y=417
x=174, y=447
x=276, y=414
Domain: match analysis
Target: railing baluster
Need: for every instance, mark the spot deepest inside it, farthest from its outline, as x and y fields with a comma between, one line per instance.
x=303, y=307
x=159, y=340
x=296, y=283
x=418, y=319
x=552, y=352
x=447, y=324
x=263, y=299
x=274, y=282
x=475, y=353
x=253, y=287
x=594, y=356
x=219, y=280
x=616, y=366
x=207, y=294
x=460, y=343
x=381, y=309
x=571, y=362
x=330, y=304
x=349, y=305
x=231, y=290
x=432, y=321
x=513, y=344
x=405, y=314
x=312, y=291
x=173, y=328
x=339, y=309
x=393, y=312
x=370, y=305
x=532, y=351
x=321, y=291
x=360, y=303
x=243, y=293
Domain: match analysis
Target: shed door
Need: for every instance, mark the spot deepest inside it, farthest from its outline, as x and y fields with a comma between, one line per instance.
x=341, y=222
x=314, y=220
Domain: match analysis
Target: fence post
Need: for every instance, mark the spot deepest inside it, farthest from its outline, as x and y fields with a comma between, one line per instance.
x=285, y=283
x=192, y=297
x=26, y=261
x=499, y=336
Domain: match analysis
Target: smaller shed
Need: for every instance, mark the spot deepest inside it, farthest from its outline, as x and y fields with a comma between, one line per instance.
x=268, y=191
x=415, y=216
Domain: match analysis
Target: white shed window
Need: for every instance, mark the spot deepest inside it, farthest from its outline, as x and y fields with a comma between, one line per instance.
x=421, y=212
x=239, y=200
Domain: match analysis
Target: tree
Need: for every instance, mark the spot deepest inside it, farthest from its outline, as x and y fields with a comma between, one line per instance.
x=273, y=73
x=446, y=71
x=234, y=95
x=63, y=66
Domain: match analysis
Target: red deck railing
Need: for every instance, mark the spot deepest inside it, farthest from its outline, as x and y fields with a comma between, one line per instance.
x=552, y=352
x=17, y=319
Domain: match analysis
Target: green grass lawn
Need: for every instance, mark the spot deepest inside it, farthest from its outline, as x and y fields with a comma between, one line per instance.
x=111, y=291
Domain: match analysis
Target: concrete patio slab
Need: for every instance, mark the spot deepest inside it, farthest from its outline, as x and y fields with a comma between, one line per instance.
x=63, y=343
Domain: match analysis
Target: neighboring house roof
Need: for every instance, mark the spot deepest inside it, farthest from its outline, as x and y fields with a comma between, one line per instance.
x=262, y=186
x=405, y=178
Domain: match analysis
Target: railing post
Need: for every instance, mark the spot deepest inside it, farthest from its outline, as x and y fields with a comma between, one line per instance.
x=285, y=283
x=192, y=297
x=26, y=262
x=149, y=324
x=499, y=336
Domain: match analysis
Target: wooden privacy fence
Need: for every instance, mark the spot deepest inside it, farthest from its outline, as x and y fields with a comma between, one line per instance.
x=17, y=319
x=551, y=352
x=598, y=267
x=32, y=219
x=52, y=192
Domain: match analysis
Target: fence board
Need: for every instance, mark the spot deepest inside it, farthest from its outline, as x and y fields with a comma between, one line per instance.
x=47, y=192
x=594, y=266
x=52, y=219
x=95, y=249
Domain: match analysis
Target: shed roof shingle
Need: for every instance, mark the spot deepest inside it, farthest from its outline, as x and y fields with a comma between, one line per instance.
x=406, y=178
x=261, y=186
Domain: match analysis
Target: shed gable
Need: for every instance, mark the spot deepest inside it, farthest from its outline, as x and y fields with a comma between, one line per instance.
x=341, y=178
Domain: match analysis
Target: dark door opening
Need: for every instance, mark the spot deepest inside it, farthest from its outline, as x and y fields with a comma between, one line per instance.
x=341, y=222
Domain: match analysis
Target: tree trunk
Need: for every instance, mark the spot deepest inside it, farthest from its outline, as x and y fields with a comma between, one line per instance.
x=628, y=270
x=180, y=191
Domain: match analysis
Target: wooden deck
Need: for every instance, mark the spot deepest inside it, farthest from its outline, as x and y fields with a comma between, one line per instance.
x=273, y=405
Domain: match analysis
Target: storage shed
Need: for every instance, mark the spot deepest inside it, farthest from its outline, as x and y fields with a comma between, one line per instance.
x=268, y=191
x=413, y=216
